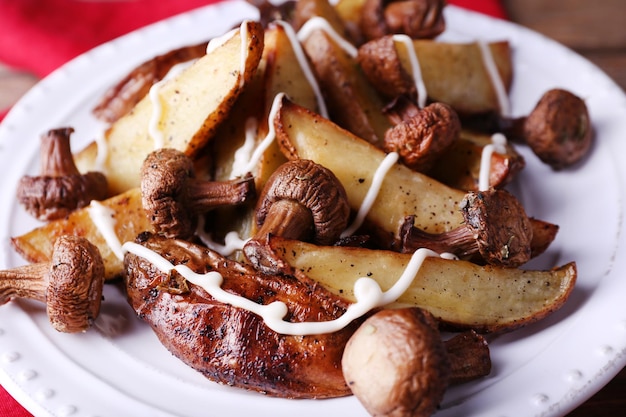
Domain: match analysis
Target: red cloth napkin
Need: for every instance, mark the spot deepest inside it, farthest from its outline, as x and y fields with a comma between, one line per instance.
x=38, y=36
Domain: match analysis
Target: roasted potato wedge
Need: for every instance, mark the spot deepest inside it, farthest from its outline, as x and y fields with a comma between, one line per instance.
x=459, y=166
x=453, y=73
x=352, y=101
x=129, y=218
x=193, y=104
x=123, y=96
x=304, y=134
x=461, y=294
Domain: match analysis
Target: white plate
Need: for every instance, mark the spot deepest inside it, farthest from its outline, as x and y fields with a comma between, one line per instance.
x=120, y=369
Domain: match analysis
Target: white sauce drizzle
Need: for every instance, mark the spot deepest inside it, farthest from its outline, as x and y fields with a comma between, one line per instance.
x=377, y=181
x=304, y=64
x=367, y=292
x=265, y=143
x=157, y=107
x=319, y=23
x=102, y=152
x=498, y=145
x=415, y=68
x=103, y=218
x=232, y=241
x=244, y=153
x=496, y=80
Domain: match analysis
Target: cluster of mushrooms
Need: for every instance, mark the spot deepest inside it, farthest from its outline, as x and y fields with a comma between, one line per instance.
x=404, y=344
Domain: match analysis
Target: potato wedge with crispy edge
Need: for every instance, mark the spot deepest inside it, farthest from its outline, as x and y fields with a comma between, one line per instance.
x=461, y=294
x=194, y=104
x=459, y=166
x=130, y=220
x=304, y=134
x=352, y=101
x=455, y=73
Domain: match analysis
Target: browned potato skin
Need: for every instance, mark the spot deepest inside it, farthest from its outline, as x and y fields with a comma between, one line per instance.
x=460, y=294
x=130, y=220
x=351, y=100
x=396, y=364
x=123, y=96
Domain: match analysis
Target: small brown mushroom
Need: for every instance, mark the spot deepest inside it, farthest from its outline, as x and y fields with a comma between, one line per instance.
x=396, y=364
x=558, y=130
x=60, y=188
x=495, y=227
x=420, y=136
x=469, y=357
x=173, y=198
x=301, y=200
x=419, y=19
x=70, y=284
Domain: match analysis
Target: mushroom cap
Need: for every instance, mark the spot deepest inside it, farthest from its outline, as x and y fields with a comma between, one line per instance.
x=164, y=175
x=75, y=282
x=381, y=64
x=419, y=19
x=502, y=228
x=396, y=363
x=314, y=187
x=60, y=188
x=421, y=136
x=559, y=129
x=48, y=198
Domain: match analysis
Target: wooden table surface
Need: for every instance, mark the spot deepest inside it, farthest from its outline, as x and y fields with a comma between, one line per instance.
x=596, y=30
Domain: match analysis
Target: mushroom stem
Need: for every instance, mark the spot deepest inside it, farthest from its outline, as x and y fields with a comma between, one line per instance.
x=495, y=227
x=205, y=195
x=28, y=281
x=70, y=284
x=58, y=160
x=301, y=200
x=60, y=188
x=288, y=219
x=173, y=197
x=558, y=130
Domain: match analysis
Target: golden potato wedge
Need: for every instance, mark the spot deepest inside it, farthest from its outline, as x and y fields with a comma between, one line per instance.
x=455, y=73
x=193, y=105
x=452, y=73
x=129, y=218
x=461, y=294
x=304, y=134
x=350, y=13
x=352, y=101
x=459, y=166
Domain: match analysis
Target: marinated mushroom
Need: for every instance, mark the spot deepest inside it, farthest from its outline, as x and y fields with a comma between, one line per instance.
x=419, y=19
x=469, y=357
x=495, y=227
x=70, y=284
x=60, y=188
x=420, y=136
x=301, y=200
x=396, y=364
x=558, y=130
x=173, y=198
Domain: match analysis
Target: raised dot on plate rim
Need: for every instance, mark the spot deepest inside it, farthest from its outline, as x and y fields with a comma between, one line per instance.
x=574, y=375
x=540, y=399
x=67, y=410
x=27, y=375
x=44, y=394
x=10, y=356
